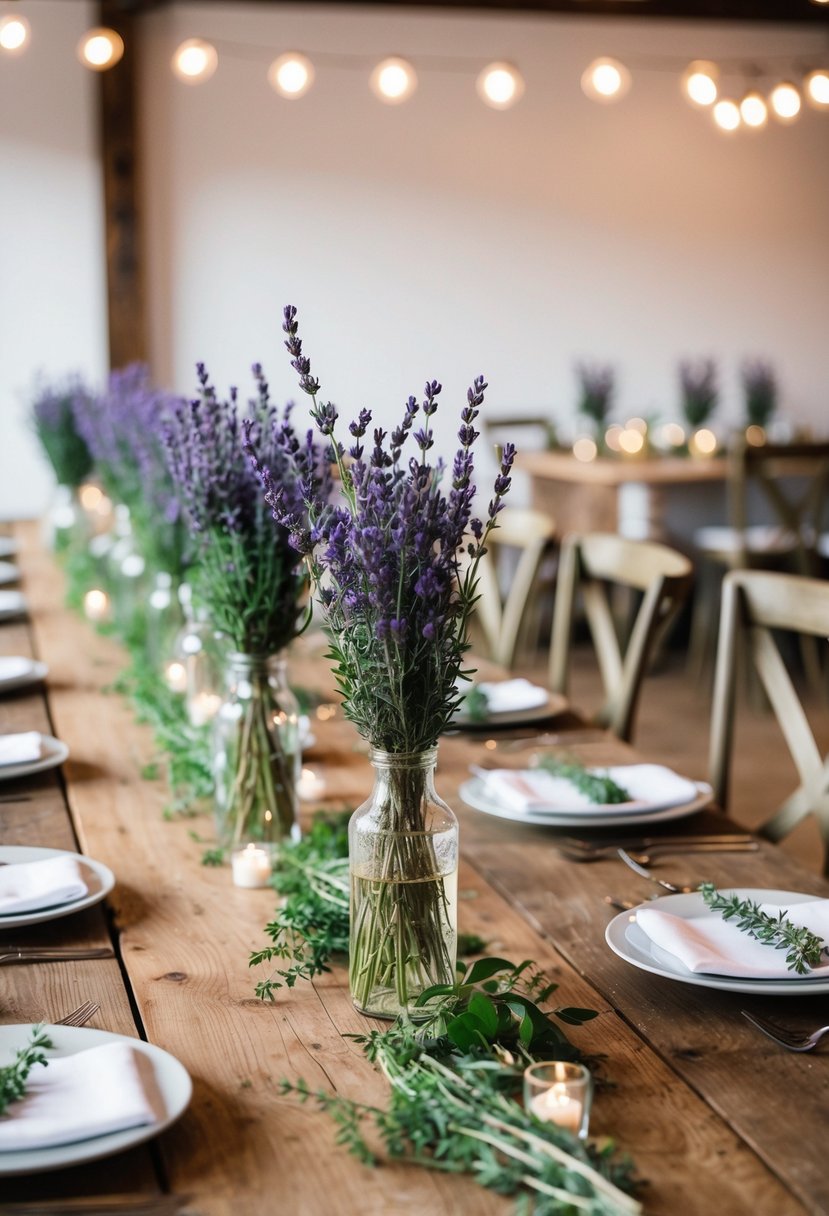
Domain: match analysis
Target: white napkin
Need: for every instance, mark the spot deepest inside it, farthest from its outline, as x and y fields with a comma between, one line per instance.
x=9, y=573
x=652, y=787
x=20, y=749
x=91, y=1093
x=12, y=602
x=13, y=666
x=712, y=946
x=508, y=696
x=27, y=886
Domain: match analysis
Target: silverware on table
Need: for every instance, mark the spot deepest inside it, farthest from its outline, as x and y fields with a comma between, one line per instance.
x=55, y=954
x=645, y=873
x=654, y=851
x=646, y=842
x=103, y=1205
x=79, y=1016
x=792, y=1040
x=621, y=905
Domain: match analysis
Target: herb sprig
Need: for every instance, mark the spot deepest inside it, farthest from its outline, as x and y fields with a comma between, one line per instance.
x=599, y=788
x=13, y=1076
x=804, y=949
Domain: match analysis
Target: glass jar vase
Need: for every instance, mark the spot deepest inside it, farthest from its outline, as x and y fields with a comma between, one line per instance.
x=403, y=858
x=256, y=754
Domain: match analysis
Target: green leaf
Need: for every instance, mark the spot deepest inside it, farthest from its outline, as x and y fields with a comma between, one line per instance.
x=574, y=1016
x=486, y=967
x=482, y=1008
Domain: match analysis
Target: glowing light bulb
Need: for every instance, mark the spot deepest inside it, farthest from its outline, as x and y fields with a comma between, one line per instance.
x=393, y=80
x=14, y=34
x=500, y=85
x=703, y=442
x=585, y=449
x=605, y=80
x=291, y=75
x=785, y=101
x=90, y=497
x=195, y=61
x=699, y=82
x=727, y=115
x=100, y=49
x=754, y=111
x=672, y=435
x=637, y=424
x=816, y=85
x=96, y=605
x=612, y=436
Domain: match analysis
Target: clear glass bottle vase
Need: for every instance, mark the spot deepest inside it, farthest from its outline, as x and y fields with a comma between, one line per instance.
x=256, y=754
x=403, y=858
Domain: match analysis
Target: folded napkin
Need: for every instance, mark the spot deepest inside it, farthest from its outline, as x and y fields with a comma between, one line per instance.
x=709, y=945
x=652, y=787
x=13, y=666
x=12, y=601
x=507, y=696
x=92, y=1093
x=27, y=886
x=20, y=749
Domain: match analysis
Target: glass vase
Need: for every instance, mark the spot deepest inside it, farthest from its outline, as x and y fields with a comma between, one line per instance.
x=195, y=668
x=163, y=619
x=403, y=856
x=66, y=527
x=256, y=755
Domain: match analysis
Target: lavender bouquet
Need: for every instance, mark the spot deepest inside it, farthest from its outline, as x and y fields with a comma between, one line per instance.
x=395, y=563
x=760, y=390
x=53, y=417
x=596, y=386
x=698, y=385
x=254, y=584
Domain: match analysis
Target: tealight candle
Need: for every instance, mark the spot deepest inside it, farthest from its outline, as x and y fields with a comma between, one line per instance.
x=252, y=865
x=175, y=674
x=203, y=707
x=310, y=785
x=96, y=605
x=560, y=1093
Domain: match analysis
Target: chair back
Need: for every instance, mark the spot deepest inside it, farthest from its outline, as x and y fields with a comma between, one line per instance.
x=591, y=563
x=539, y=428
x=504, y=618
x=755, y=602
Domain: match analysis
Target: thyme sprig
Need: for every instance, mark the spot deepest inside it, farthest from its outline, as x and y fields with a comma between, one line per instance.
x=804, y=949
x=598, y=787
x=13, y=1076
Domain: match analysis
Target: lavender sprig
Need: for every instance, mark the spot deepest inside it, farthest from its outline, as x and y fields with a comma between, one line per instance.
x=700, y=392
x=597, y=382
x=53, y=418
x=760, y=388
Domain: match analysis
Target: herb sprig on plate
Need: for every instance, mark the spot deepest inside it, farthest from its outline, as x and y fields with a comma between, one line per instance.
x=13, y=1077
x=598, y=787
x=804, y=949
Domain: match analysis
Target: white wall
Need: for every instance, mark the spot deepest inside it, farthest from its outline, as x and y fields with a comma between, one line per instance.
x=52, y=296
x=439, y=238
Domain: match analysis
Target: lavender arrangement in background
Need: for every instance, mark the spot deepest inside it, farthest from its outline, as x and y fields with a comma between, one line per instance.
x=395, y=564
x=699, y=389
x=253, y=582
x=53, y=418
x=760, y=391
x=597, y=382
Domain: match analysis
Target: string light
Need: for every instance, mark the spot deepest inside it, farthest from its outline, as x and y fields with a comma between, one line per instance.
x=816, y=85
x=585, y=449
x=605, y=80
x=14, y=34
x=195, y=61
x=700, y=83
x=727, y=115
x=291, y=75
x=100, y=49
x=500, y=85
x=785, y=101
x=754, y=111
x=393, y=80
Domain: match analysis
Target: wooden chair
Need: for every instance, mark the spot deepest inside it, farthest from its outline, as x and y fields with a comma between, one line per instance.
x=505, y=620
x=590, y=563
x=538, y=426
x=754, y=602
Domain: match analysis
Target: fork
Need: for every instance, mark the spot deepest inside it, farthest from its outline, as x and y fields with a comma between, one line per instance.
x=660, y=882
x=792, y=1040
x=79, y=1016
x=55, y=954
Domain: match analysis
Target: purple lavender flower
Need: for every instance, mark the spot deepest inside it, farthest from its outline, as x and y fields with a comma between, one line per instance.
x=53, y=417
x=760, y=389
x=700, y=393
x=597, y=382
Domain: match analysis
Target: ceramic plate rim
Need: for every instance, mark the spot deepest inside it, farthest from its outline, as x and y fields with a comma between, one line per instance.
x=18, y=606
x=555, y=703
x=9, y=572
x=616, y=937
x=12, y=852
x=470, y=793
x=8, y=547
x=39, y=671
x=58, y=752
x=174, y=1083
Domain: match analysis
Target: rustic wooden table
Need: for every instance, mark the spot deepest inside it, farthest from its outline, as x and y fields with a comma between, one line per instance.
x=717, y=1118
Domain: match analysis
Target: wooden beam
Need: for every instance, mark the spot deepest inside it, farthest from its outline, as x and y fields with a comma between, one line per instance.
x=121, y=183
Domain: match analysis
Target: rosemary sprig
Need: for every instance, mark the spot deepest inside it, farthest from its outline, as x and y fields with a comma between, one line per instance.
x=601, y=789
x=476, y=704
x=13, y=1076
x=803, y=948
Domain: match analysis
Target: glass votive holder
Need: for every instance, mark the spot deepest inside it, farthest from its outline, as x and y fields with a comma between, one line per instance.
x=252, y=864
x=561, y=1093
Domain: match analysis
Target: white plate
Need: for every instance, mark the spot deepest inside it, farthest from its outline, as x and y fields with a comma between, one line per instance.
x=35, y=672
x=474, y=794
x=99, y=879
x=12, y=604
x=8, y=546
x=554, y=703
x=626, y=939
x=174, y=1086
x=9, y=573
x=54, y=751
